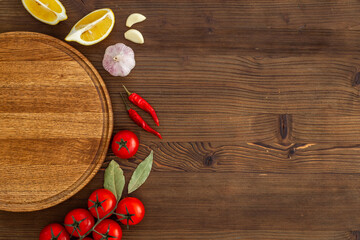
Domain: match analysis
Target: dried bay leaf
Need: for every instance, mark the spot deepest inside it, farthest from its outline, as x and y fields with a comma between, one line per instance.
x=114, y=179
x=141, y=173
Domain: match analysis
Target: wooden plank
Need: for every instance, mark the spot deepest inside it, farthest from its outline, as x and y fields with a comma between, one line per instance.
x=325, y=127
x=274, y=202
x=327, y=202
x=180, y=126
x=253, y=14
x=241, y=234
x=238, y=84
x=262, y=158
x=206, y=27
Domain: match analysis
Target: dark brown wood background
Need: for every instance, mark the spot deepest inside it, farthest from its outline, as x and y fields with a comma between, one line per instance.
x=259, y=108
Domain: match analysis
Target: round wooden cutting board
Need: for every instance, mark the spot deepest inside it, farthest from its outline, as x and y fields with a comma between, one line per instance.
x=55, y=121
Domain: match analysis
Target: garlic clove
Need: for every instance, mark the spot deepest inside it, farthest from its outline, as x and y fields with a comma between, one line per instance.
x=134, y=18
x=119, y=60
x=134, y=36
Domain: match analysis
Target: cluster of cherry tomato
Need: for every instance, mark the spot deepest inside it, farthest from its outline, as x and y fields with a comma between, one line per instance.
x=102, y=204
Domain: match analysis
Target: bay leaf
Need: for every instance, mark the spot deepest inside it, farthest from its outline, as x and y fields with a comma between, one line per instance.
x=114, y=179
x=141, y=173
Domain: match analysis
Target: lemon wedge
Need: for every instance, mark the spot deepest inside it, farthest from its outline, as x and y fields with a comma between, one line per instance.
x=46, y=11
x=92, y=28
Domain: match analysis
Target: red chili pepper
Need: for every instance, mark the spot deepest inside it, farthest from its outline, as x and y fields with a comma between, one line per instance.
x=138, y=119
x=143, y=104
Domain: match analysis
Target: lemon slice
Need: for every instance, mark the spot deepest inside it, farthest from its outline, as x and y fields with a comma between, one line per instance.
x=92, y=28
x=46, y=11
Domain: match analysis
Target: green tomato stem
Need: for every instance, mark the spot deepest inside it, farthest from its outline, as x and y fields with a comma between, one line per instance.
x=99, y=221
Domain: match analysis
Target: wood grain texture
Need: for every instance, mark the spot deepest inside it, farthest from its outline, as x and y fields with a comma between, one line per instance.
x=45, y=136
x=307, y=206
x=258, y=102
x=262, y=158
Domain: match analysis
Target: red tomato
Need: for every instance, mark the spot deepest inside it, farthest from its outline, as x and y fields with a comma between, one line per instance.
x=109, y=229
x=78, y=222
x=103, y=201
x=54, y=231
x=87, y=238
x=125, y=144
x=132, y=211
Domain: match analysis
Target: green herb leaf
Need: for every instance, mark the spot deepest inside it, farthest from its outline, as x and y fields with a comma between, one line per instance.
x=114, y=179
x=141, y=173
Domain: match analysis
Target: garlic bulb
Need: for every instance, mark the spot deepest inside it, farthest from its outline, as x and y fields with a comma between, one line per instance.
x=119, y=60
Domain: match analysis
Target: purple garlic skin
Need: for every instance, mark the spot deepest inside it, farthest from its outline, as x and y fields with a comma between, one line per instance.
x=119, y=60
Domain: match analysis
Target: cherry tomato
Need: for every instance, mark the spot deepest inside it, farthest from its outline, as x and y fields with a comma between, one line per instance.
x=87, y=238
x=109, y=229
x=103, y=201
x=125, y=144
x=78, y=222
x=54, y=231
x=131, y=211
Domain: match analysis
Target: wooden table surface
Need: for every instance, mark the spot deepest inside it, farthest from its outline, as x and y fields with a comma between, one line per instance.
x=259, y=108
